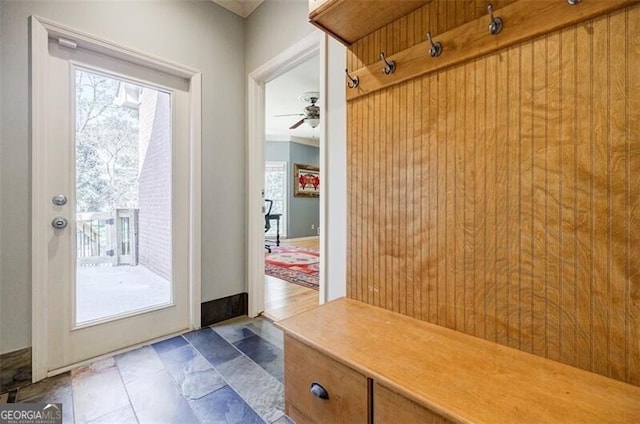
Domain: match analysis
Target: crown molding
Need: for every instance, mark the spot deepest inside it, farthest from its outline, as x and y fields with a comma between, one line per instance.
x=242, y=8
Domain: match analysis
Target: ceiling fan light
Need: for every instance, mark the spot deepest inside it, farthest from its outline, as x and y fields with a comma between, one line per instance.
x=313, y=122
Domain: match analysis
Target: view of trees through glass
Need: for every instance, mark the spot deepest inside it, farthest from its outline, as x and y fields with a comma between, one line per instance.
x=106, y=144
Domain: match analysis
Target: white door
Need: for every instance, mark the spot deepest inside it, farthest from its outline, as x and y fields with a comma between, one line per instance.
x=117, y=268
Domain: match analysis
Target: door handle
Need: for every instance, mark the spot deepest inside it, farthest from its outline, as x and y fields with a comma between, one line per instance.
x=59, y=223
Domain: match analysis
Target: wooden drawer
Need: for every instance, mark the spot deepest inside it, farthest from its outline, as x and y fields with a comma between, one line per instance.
x=348, y=390
x=392, y=408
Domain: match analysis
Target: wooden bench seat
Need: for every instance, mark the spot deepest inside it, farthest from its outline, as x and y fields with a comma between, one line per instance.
x=419, y=372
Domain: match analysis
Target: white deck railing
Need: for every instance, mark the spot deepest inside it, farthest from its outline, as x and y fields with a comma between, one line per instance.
x=107, y=238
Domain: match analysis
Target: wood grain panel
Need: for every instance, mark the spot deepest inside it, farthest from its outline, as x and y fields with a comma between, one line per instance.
x=347, y=390
x=482, y=289
x=526, y=19
x=401, y=187
x=437, y=16
x=497, y=135
x=553, y=201
x=499, y=197
x=389, y=202
x=431, y=264
x=616, y=188
x=600, y=214
x=568, y=141
x=486, y=154
x=459, y=193
x=367, y=210
x=583, y=189
x=512, y=277
x=632, y=218
x=410, y=252
x=349, y=21
x=448, y=304
x=443, y=192
x=525, y=193
x=376, y=204
x=391, y=408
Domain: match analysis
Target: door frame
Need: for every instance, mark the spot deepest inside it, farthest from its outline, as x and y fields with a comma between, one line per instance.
x=40, y=31
x=303, y=50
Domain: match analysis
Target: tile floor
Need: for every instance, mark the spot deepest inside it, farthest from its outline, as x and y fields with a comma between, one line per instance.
x=228, y=373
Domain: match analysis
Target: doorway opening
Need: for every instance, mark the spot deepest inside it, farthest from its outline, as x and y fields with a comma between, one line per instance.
x=309, y=48
x=292, y=258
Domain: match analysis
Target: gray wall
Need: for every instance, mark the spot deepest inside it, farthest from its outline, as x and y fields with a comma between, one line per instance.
x=301, y=211
x=276, y=151
x=273, y=27
x=197, y=34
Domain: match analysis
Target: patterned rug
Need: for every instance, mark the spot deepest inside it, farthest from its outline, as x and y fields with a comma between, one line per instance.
x=293, y=264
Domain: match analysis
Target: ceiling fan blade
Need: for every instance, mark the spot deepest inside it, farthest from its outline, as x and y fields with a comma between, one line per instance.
x=289, y=114
x=297, y=124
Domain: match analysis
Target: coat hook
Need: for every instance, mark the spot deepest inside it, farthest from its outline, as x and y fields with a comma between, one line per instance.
x=495, y=26
x=390, y=67
x=436, y=48
x=573, y=2
x=353, y=82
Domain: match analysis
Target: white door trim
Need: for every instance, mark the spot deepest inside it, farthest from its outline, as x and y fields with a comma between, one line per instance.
x=300, y=52
x=41, y=30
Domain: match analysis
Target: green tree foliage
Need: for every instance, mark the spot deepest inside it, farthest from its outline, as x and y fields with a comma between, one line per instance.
x=106, y=146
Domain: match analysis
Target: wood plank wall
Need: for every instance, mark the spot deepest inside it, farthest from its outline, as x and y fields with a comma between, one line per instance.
x=501, y=197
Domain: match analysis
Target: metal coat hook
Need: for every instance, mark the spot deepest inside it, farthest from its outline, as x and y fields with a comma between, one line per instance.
x=495, y=26
x=436, y=48
x=390, y=67
x=353, y=82
x=573, y=2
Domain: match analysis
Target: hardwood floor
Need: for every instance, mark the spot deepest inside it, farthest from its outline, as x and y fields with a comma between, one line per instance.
x=308, y=243
x=283, y=299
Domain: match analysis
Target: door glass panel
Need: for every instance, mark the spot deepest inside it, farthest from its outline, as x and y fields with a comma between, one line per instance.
x=123, y=197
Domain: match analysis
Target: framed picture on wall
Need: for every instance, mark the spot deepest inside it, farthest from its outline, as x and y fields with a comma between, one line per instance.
x=306, y=180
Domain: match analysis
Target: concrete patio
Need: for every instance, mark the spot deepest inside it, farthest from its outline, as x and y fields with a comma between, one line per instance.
x=104, y=291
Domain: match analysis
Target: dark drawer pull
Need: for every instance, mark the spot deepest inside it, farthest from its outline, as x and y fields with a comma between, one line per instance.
x=318, y=391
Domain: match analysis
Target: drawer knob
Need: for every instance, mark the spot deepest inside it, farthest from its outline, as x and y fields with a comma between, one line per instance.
x=318, y=391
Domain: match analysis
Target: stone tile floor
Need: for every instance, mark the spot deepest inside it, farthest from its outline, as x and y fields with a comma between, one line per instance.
x=227, y=373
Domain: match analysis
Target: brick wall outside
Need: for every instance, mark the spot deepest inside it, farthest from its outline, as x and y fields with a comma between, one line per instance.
x=154, y=192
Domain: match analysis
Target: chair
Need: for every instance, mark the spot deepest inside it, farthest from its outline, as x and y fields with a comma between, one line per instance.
x=267, y=221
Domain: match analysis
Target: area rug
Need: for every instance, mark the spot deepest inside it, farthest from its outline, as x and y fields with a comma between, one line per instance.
x=293, y=264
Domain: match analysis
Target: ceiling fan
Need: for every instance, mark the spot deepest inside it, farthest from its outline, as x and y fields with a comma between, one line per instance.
x=311, y=113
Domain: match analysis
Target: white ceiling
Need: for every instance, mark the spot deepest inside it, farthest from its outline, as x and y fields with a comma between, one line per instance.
x=282, y=97
x=243, y=8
